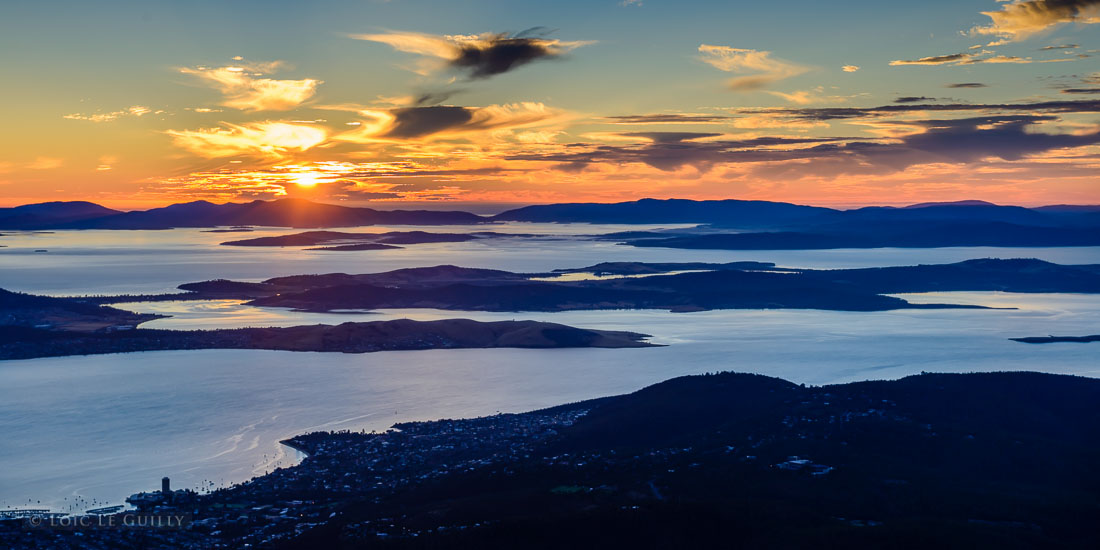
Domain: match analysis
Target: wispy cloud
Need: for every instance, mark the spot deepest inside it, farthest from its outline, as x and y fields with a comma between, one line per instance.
x=245, y=90
x=258, y=139
x=767, y=69
x=134, y=111
x=45, y=163
x=667, y=118
x=984, y=56
x=806, y=97
x=479, y=56
x=1022, y=19
x=850, y=68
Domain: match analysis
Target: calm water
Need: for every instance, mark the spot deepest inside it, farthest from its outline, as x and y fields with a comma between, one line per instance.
x=117, y=262
x=102, y=427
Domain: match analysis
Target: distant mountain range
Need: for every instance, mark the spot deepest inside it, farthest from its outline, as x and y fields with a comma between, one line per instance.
x=718, y=214
x=277, y=213
x=741, y=214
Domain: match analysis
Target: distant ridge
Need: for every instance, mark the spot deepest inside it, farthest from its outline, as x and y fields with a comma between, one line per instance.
x=745, y=213
x=296, y=213
x=719, y=214
x=742, y=214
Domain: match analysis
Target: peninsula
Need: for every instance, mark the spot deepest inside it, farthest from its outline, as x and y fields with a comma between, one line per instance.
x=712, y=461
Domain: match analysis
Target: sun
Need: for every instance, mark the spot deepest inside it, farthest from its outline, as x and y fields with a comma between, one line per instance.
x=307, y=179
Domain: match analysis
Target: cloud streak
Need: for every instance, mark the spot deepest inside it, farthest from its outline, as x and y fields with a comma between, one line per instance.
x=841, y=113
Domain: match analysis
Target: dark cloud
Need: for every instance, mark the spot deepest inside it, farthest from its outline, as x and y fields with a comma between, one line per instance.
x=414, y=122
x=479, y=56
x=967, y=85
x=1059, y=47
x=671, y=154
x=913, y=99
x=1081, y=91
x=841, y=113
x=1007, y=137
x=500, y=53
x=434, y=98
x=665, y=118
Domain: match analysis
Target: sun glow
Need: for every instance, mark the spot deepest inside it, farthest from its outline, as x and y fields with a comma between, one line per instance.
x=307, y=179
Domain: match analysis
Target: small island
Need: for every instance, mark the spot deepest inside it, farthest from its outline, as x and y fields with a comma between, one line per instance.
x=338, y=240
x=1055, y=339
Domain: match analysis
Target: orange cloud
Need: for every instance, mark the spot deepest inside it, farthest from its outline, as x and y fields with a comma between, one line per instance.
x=1021, y=19
x=242, y=90
x=260, y=139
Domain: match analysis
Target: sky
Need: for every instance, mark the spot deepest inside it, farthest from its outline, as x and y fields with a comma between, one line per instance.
x=372, y=102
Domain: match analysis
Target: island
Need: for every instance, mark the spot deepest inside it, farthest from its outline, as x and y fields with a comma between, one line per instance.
x=709, y=461
x=1054, y=339
x=636, y=285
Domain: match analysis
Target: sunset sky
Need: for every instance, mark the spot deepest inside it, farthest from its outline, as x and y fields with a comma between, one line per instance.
x=139, y=104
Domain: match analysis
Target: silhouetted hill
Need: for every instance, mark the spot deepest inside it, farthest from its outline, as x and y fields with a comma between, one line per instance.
x=277, y=213
x=48, y=215
x=998, y=460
